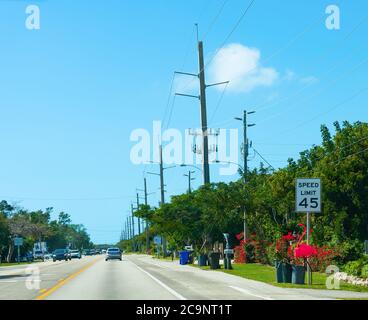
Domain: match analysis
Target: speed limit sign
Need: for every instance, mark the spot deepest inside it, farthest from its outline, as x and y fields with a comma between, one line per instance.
x=308, y=195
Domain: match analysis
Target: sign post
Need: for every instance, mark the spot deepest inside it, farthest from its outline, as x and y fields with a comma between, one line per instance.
x=18, y=242
x=308, y=200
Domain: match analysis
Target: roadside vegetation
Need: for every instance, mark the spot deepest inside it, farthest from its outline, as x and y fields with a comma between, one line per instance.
x=35, y=226
x=266, y=274
x=201, y=217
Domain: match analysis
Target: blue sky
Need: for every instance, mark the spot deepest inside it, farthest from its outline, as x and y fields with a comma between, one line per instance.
x=72, y=92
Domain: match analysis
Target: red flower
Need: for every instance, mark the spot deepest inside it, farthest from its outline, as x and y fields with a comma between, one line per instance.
x=304, y=251
x=240, y=236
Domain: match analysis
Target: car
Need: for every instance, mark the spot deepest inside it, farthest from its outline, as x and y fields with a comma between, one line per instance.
x=28, y=257
x=61, y=254
x=113, y=254
x=75, y=254
x=93, y=252
x=87, y=252
x=98, y=251
x=47, y=256
x=39, y=255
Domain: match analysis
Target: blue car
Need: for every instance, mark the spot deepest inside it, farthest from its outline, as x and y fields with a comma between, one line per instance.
x=61, y=254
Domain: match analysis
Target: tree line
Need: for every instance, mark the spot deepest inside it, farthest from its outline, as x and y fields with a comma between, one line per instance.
x=35, y=226
x=201, y=217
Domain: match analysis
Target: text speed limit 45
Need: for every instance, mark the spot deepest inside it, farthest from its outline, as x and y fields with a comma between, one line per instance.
x=308, y=195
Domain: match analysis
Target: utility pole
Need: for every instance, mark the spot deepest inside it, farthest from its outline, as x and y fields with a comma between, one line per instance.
x=203, y=108
x=146, y=194
x=245, y=166
x=190, y=179
x=132, y=219
x=162, y=190
x=146, y=204
x=139, y=220
x=202, y=97
x=129, y=228
x=162, y=185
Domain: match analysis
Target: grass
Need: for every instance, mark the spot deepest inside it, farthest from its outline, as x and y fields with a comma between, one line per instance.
x=266, y=274
x=5, y=264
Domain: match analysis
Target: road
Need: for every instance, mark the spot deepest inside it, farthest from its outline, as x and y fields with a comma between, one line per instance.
x=140, y=277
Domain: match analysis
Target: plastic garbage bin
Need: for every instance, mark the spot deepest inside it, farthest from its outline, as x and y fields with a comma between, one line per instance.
x=214, y=258
x=298, y=275
x=184, y=257
x=202, y=260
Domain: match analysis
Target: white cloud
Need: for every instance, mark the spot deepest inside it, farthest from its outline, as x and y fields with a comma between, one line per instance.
x=241, y=66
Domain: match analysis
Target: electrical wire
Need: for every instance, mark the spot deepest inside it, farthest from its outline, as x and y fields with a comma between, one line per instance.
x=238, y=22
x=338, y=105
x=215, y=19
x=219, y=102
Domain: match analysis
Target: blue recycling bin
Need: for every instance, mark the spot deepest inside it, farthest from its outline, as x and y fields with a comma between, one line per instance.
x=184, y=257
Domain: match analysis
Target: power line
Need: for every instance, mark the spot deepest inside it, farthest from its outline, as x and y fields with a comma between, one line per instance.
x=219, y=102
x=215, y=19
x=263, y=158
x=267, y=104
x=326, y=112
x=342, y=42
x=331, y=83
x=226, y=39
x=67, y=199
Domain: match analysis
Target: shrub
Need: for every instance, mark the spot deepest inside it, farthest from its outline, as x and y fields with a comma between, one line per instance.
x=252, y=250
x=324, y=257
x=351, y=250
x=365, y=271
x=354, y=268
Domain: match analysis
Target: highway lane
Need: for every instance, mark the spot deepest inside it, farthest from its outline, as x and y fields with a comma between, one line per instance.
x=26, y=282
x=141, y=277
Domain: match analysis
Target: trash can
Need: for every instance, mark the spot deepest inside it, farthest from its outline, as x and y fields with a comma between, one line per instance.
x=184, y=257
x=286, y=272
x=202, y=260
x=214, y=260
x=298, y=274
x=279, y=275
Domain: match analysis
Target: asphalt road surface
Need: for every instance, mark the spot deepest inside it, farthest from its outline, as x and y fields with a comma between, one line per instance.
x=140, y=278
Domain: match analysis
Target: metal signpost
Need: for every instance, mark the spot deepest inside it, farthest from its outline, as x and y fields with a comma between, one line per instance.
x=308, y=200
x=157, y=240
x=18, y=242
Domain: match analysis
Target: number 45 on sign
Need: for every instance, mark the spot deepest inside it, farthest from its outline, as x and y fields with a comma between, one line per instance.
x=308, y=195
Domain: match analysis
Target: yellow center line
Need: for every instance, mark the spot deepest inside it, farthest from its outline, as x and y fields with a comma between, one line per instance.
x=62, y=282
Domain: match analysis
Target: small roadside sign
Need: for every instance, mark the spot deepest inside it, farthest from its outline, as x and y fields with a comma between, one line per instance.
x=18, y=242
x=157, y=240
x=308, y=195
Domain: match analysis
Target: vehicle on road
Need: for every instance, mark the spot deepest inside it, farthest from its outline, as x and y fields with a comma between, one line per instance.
x=47, y=256
x=61, y=254
x=39, y=255
x=28, y=257
x=75, y=254
x=113, y=254
x=88, y=252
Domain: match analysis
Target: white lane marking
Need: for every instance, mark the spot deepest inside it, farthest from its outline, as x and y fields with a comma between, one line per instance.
x=173, y=292
x=250, y=293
